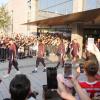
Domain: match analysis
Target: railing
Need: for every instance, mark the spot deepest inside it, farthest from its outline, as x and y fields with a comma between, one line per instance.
x=4, y=54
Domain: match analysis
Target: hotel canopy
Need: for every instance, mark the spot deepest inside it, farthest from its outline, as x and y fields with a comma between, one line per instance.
x=84, y=16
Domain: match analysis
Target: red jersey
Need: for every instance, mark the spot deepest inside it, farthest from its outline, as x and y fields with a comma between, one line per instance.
x=12, y=50
x=75, y=49
x=93, y=88
x=61, y=48
x=41, y=50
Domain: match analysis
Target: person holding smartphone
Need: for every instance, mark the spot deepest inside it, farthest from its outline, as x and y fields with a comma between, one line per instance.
x=91, y=86
x=65, y=93
x=95, y=51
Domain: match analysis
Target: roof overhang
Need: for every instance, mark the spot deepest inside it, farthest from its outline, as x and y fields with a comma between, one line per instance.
x=84, y=16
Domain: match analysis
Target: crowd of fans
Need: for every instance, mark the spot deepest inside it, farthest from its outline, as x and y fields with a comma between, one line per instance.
x=20, y=86
x=26, y=44
x=86, y=90
x=22, y=43
x=20, y=90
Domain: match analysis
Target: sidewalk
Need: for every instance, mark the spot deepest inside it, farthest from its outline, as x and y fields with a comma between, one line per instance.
x=26, y=66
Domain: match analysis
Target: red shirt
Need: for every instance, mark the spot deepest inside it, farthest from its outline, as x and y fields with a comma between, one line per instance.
x=41, y=50
x=12, y=50
x=75, y=47
x=93, y=88
x=61, y=48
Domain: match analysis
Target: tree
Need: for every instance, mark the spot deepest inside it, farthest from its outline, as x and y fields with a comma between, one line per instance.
x=4, y=18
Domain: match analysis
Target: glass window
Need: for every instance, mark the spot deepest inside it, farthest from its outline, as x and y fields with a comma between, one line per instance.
x=57, y=6
x=89, y=4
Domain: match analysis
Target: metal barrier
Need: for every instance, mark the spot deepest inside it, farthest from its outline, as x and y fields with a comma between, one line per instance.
x=4, y=54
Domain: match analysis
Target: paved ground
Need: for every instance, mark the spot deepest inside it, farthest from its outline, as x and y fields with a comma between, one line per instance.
x=26, y=66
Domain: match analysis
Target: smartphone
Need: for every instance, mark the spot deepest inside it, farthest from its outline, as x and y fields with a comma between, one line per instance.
x=52, y=78
x=81, y=65
x=67, y=70
x=90, y=43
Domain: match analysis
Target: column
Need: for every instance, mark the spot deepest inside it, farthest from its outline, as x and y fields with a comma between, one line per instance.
x=78, y=5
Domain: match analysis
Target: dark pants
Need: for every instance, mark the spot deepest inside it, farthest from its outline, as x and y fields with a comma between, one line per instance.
x=14, y=63
x=61, y=61
x=38, y=60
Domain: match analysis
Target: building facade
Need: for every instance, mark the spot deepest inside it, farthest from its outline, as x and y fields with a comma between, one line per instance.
x=22, y=11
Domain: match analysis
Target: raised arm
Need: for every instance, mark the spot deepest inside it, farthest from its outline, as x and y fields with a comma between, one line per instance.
x=96, y=52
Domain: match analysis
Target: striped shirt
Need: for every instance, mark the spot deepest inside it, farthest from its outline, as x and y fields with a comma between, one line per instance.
x=93, y=88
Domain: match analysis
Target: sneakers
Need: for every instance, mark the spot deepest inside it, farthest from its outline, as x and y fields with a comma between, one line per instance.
x=18, y=72
x=34, y=71
x=6, y=76
x=44, y=70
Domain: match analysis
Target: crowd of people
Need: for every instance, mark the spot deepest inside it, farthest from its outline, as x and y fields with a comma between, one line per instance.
x=22, y=43
x=91, y=86
x=43, y=46
x=27, y=45
x=20, y=86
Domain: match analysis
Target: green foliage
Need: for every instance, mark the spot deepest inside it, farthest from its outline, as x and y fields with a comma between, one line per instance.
x=4, y=18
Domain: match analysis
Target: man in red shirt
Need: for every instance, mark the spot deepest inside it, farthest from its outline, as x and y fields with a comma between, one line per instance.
x=40, y=56
x=12, y=58
x=75, y=50
x=61, y=53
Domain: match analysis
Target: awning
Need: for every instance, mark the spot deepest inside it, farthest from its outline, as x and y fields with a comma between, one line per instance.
x=84, y=16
